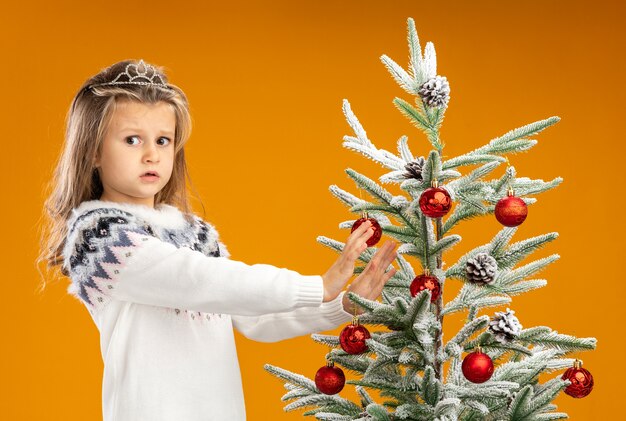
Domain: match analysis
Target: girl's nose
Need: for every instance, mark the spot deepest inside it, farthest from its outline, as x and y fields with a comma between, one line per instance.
x=151, y=152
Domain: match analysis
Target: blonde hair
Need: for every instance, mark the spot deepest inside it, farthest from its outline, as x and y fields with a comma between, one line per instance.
x=75, y=178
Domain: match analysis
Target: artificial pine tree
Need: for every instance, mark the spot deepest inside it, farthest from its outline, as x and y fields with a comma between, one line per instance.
x=494, y=363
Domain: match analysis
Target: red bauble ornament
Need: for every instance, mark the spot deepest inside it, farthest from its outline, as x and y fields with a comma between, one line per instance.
x=582, y=380
x=435, y=202
x=511, y=211
x=352, y=338
x=477, y=367
x=378, y=232
x=423, y=282
x=330, y=379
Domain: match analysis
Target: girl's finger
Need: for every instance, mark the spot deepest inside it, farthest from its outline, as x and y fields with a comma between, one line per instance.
x=385, y=255
x=391, y=254
x=366, y=235
x=353, y=246
x=358, y=245
x=380, y=253
x=385, y=250
x=388, y=275
x=377, y=260
x=390, y=257
x=361, y=234
x=360, y=229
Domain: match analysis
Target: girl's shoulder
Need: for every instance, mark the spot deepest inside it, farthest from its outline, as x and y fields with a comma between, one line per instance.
x=97, y=221
x=163, y=215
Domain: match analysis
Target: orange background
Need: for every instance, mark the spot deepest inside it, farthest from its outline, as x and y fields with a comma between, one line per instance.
x=265, y=81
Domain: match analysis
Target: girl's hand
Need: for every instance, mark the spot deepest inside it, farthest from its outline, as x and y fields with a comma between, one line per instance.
x=369, y=284
x=342, y=270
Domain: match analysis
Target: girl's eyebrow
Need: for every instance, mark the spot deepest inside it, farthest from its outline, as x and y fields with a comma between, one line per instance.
x=133, y=129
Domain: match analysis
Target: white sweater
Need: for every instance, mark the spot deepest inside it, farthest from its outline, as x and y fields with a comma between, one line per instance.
x=165, y=297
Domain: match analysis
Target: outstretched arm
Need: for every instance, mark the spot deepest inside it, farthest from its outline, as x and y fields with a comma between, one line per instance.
x=302, y=321
x=331, y=314
x=110, y=255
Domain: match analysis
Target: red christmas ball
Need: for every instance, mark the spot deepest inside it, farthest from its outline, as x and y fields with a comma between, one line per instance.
x=511, y=211
x=352, y=338
x=378, y=232
x=477, y=367
x=435, y=202
x=423, y=282
x=330, y=379
x=582, y=381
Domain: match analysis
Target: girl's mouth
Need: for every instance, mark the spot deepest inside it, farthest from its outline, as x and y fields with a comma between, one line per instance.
x=150, y=176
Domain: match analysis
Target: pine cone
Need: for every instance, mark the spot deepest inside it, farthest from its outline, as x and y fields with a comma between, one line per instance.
x=414, y=169
x=505, y=326
x=481, y=268
x=435, y=92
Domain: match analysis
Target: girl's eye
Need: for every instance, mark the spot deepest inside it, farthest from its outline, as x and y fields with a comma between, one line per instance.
x=163, y=141
x=131, y=139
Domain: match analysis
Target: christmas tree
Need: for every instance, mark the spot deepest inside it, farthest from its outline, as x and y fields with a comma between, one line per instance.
x=493, y=363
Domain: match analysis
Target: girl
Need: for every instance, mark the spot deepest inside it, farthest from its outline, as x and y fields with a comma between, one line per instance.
x=155, y=277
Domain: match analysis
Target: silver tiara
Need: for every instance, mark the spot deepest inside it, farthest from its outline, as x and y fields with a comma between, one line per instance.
x=137, y=74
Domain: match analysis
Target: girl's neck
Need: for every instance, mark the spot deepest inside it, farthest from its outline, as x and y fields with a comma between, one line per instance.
x=148, y=202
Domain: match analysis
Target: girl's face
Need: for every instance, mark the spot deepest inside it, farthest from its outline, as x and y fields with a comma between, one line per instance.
x=139, y=139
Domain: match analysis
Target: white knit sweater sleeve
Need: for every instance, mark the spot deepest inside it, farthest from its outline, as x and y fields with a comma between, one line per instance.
x=115, y=258
x=302, y=321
